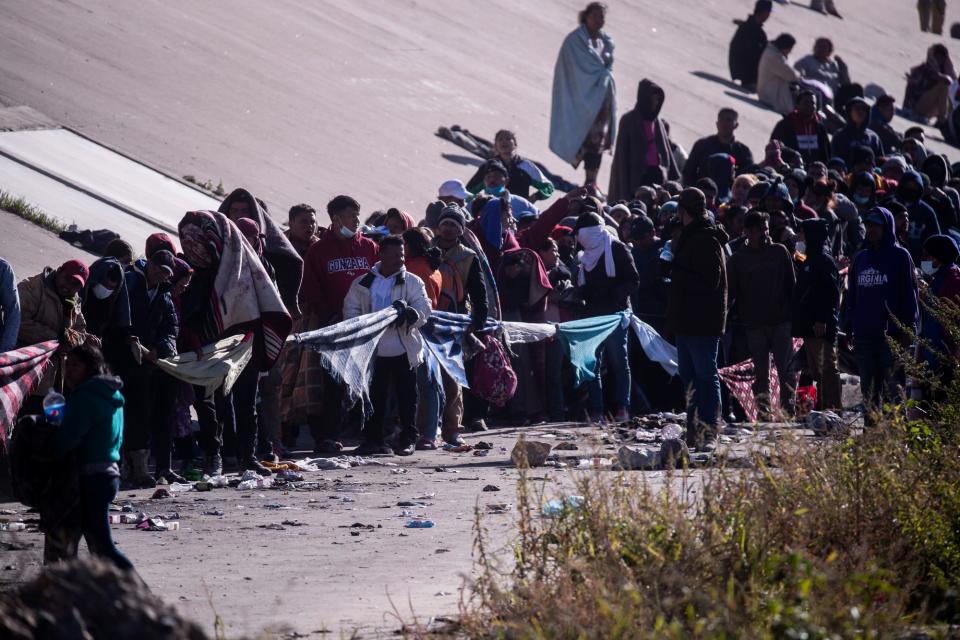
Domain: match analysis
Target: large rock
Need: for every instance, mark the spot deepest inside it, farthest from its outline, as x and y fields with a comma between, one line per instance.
x=530, y=453
x=674, y=454
x=635, y=458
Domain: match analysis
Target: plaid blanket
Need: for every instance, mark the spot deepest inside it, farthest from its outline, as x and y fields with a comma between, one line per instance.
x=20, y=370
x=443, y=335
x=739, y=379
x=347, y=348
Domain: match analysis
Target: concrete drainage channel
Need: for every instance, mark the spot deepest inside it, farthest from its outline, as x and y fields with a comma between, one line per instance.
x=80, y=181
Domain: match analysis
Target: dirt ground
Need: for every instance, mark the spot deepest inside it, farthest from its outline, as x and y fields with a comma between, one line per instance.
x=334, y=555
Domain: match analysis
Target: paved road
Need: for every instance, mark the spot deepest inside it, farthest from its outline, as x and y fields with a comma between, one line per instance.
x=30, y=248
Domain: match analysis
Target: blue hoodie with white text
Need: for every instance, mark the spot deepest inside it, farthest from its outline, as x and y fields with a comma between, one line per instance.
x=882, y=283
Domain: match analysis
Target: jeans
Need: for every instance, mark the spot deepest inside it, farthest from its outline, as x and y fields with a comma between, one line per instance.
x=244, y=398
x=612, y=352
x=876, y=366
x=428, y=404
x=762, y=341
x=697, y=356
x=97, y=491
x=394, y=373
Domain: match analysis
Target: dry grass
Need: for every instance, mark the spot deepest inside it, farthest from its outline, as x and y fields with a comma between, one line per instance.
x=20, y=207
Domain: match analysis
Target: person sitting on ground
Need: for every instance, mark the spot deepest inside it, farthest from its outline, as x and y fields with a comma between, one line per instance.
x=93, y=429
x=823, y=66
x=775, y=77
x=723, y=141
x=522, y=174
x=50, y=309
x=856, y=133
x=928, y=87
x=802, y=129
x=880, y=118
x=748, y=44
x=643, y=155
x=400, y=350
x=761, y=281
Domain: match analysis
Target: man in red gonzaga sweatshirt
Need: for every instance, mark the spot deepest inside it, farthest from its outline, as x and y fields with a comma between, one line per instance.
x=330, y=267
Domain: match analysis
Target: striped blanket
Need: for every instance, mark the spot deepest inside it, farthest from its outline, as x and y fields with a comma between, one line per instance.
x=20, y=370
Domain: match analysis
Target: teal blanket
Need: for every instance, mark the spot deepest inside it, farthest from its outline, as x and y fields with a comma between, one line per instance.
x=582, y=80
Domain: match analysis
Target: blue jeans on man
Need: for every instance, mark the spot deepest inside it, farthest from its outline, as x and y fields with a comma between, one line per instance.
x=697, y=360
x=612, y=353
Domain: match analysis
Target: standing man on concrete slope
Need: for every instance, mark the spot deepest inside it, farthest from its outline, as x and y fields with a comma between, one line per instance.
x=697, y=314
x=748, y=44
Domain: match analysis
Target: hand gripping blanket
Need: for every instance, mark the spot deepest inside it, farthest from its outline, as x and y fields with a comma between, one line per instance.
x=347, y=348
x=220, y=365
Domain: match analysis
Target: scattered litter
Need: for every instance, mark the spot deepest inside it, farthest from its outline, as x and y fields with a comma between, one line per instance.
x=480, y=453
x=671, y=431
x=443, y=593
x=275, y=526
x=160, y=494
x=360, y=525
x=555, y=507
x=411, y=503
x=594, y=463
x=13, y=526
x=457, y=448
x=419, y=524
x=355, y=533
x=442, y=551
x=826, y=423
x=426, y=496
x=499, y=507
x=399, y=470
x=127, y=518
x=203, y=485
x=157, y=524
x=483, y=445
x=276, y=506
x=256, y=482
x=530, y=453
x=289, y=475
x=212, y=512
x=294, y=523
x=180, y=487
x=339, y=462
x=442, y=469
x=491, y=487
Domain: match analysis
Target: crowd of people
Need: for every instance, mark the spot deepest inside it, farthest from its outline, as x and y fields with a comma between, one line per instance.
x=828, y=236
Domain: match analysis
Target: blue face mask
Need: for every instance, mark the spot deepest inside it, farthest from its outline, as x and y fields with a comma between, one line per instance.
x=496, y=191
x=861, y=200
x=347, y=233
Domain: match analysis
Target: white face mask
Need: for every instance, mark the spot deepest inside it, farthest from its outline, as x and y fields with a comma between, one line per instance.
x=347, y=233
x=927, y=267
x=801, y=247
x=101, y=292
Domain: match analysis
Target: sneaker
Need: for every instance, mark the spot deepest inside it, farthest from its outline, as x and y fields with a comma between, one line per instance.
x=254, y=465
x=405, y=449
x=426, y=445
x=708, y=444
x=268, y=456
x=213, y=465
x=373, y=449
x=477, y=425
x=327, y=447
x=595, y=417
x=622, y=416
x=456, y=440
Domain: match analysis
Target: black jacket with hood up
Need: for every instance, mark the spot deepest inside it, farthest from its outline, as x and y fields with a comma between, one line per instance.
x=817, y=293
x=629, y=170
x=697, y=304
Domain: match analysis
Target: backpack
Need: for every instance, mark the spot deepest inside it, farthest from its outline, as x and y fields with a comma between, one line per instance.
x=493, y=378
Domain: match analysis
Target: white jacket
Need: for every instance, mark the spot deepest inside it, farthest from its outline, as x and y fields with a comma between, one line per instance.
x=774, y=76
x=406, y=287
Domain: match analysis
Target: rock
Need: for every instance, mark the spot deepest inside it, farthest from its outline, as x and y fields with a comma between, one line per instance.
x=674, y=454
x=824, y=423
x=530, y=453
x=636, y=458
x=160, y=494
x=671, y=431
x=491, y=487
x=565, y=446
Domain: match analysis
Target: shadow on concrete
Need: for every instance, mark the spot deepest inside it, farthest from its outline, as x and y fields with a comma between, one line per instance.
x=472, y=161
x=726, y=82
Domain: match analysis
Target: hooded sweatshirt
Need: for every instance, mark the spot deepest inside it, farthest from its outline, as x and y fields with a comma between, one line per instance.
x=881, y=283
x=93, y=425
x=851, y=135
x=944, y=200
x=643, y=140
x=287, y=263
x=816, y=297
x=923, y=219
x=697, y=303
x=330, y=267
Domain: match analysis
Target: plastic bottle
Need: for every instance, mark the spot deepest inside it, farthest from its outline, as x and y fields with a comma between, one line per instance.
x=13, y=526
x=53, y=406
x=419, y=524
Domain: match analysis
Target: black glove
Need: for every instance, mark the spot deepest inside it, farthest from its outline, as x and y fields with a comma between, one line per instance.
x=410, y=315
x=401, y=307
